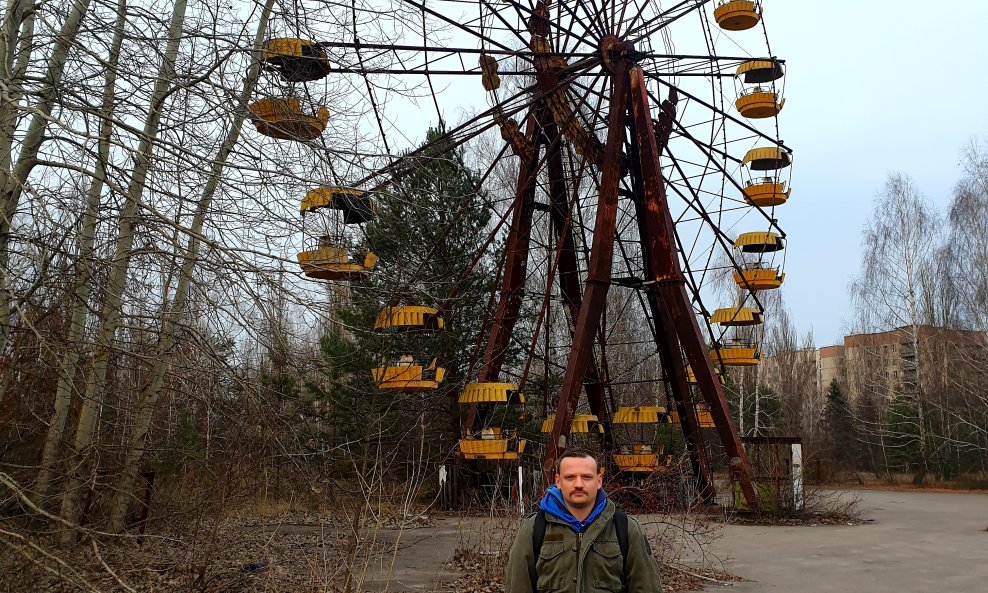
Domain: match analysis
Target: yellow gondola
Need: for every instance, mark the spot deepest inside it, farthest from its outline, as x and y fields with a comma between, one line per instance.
x=406, y=375
x=737, y=15
x=492, y=443
x=409, y=318
x=759, y=102
x=641, y=457
x=296, y=60
x=736, y=316
x=282, y=118
x=355, y=205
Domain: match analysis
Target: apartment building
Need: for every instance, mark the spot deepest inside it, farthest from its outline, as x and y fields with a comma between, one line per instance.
x=887, y=363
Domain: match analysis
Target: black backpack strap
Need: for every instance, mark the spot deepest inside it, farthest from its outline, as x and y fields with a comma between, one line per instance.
x=621, y=527
x=538, y=536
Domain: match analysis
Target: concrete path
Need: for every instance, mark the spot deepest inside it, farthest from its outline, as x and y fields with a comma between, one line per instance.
x=916, y=542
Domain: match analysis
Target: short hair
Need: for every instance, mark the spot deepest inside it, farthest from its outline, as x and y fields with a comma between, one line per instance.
x=576, y=452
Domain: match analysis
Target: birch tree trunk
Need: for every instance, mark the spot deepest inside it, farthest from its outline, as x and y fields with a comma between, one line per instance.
x=16, y=30
x=77, y=325
x=12, y=183
x=899, y=245
x=96, y=385
x=174, y=314
x=12, y=66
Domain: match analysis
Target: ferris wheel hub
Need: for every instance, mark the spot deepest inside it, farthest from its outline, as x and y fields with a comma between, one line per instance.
x=613, y=49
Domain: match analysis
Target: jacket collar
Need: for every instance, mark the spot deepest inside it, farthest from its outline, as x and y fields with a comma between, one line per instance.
x=554, y=505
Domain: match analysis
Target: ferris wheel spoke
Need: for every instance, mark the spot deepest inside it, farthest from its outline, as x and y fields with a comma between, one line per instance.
x=720, y=111
x=662, y=20
x=524, y=11
x=450, y=140
x=708, y=152
x=693, y=201
x=619, y=27
x=620, y=19
x=470, y=129
x=377, y=113
x=389, y=48
x=722, y=239
x=458, y=25
x=497, y=14
x=594, y=26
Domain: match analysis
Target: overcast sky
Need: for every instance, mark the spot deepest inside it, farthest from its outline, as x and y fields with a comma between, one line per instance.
x=871, y=87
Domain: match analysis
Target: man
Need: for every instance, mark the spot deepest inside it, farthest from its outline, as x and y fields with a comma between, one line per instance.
x=584, y=547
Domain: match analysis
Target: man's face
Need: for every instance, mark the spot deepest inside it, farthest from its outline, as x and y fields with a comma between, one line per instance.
x=579, y=481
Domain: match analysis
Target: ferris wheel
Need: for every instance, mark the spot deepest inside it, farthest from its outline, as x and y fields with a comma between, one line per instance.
x=643, y=138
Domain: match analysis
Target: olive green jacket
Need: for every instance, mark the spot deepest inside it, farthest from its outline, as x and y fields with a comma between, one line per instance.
x=590, y=562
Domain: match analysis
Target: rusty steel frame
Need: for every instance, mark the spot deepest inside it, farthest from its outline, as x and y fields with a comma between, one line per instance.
x=567, y=270
x=598, y=279
x=677, y=331
x=515, y=268
x=669, y=286
x=666, y=341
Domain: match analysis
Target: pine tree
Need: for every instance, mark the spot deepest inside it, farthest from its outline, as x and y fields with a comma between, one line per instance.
x=427, y=228
x=840, y=428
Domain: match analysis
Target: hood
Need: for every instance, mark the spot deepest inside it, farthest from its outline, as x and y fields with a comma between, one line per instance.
x=553, y=504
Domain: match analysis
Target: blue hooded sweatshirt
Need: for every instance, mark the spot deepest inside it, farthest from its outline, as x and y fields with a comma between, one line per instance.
x=554, y=504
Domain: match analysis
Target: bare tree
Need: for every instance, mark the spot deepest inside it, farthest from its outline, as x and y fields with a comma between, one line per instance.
x=87, y=235
x=151, y=391
x=900, y=240
x=967, y=256
x=96, y=386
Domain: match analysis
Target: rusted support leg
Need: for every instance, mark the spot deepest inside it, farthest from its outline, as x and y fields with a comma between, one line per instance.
x=667, y=344
x=672, y=361
x=569, y=279
x=598, y=273
x=515, y=269
x=670, y=285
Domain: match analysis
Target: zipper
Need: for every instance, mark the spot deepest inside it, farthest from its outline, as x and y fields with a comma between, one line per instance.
x=579, y=561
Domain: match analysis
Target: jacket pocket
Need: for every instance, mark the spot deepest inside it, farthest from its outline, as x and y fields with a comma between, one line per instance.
x=604, y=566
x=552, y=566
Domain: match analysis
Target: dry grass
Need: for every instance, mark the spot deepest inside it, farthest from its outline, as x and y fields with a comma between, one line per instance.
x=903, y=483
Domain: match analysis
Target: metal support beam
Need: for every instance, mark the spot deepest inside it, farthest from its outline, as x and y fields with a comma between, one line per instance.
x=567, y=271
x=598, y=273
x=515, y=268
x=666, y=340
x=670, y=286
